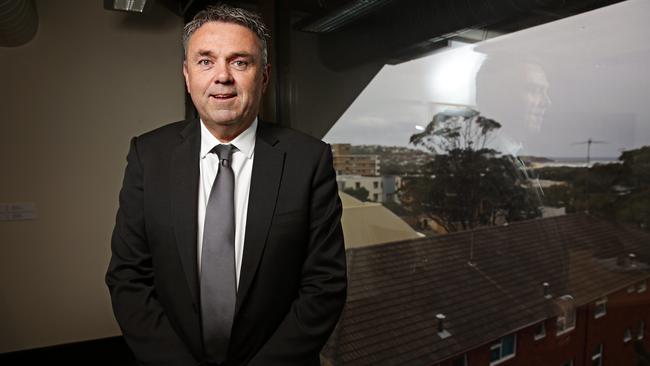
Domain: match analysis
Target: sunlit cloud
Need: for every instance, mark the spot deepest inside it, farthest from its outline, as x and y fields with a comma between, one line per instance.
x=554, y=97
x=452, y=78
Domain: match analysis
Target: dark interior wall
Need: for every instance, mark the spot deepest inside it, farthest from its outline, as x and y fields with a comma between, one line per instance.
x=306, y=93
x=318, y=95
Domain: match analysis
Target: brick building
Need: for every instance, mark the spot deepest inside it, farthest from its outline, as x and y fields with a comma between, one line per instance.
x=347, y=163
x=565, y=291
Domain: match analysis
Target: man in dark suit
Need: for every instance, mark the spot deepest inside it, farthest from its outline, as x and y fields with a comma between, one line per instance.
x=285, y=259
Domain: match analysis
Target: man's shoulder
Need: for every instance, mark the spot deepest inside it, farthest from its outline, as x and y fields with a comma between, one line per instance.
x=288, y=138
x=169, y=131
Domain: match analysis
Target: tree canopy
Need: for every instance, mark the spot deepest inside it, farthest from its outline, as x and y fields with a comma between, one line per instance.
x=618, y=191
x=467, y=184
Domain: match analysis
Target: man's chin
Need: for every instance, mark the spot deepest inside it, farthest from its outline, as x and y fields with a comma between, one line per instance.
x=228, y=125
x=222, y=119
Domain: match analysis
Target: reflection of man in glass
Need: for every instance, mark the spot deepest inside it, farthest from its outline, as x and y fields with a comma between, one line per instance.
x=514, y=93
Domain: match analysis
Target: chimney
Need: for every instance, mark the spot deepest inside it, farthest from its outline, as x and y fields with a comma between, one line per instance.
x=442, y=332
x=547, y=294
x=632, y=258
x=441, y=324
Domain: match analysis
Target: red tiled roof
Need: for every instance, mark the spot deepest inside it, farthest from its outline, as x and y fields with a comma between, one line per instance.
x=396, y=289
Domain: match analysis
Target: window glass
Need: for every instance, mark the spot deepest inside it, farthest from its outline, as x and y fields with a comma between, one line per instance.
x=641, y=333
x=600, y=308
x=508, y=346
x=501, y=164
x=460, y=361
x=502, y=349
x=495, y=354
x=597, y=357
x=540, y=331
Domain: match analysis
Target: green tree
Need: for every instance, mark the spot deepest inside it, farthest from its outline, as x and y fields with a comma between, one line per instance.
x=635, y=176
x=636, y=167
x=467, y=184
x=617, y=191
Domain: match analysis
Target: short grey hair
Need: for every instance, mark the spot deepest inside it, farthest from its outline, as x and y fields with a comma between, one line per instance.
x=229, y=14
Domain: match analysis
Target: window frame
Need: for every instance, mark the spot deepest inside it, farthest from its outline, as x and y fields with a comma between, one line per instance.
x=599, y=314
x=627, y=335
x=598, y=355
x=499, y=345
x=565, y=329
x=641, y=331
x=537, y=336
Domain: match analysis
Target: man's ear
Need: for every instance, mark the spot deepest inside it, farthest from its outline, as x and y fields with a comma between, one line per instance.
x=266, y=77
x=185, y=74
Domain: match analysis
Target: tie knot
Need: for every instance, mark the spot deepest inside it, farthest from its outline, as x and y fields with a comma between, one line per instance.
x=224, y=152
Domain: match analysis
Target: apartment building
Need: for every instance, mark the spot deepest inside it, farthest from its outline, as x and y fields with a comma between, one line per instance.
x=347, y=163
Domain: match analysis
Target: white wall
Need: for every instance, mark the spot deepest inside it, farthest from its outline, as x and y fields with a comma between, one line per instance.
x=70, y=100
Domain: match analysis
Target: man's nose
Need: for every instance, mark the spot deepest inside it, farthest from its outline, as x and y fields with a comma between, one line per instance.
x=223, y=74
x=547, y=99
x=542, y=98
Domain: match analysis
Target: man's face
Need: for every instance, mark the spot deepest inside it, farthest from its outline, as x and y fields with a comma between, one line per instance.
x=225, y=74
x=535, y=96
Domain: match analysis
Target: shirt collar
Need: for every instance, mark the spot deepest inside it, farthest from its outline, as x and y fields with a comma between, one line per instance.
x=244, y=142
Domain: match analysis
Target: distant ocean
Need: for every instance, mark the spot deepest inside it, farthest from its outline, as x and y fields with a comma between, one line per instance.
x=575, y=162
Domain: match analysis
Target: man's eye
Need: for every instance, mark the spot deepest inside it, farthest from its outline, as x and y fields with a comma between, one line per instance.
x=204, y=62
x=239, y=64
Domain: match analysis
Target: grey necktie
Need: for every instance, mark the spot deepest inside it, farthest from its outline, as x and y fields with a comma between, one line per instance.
x=218, y=281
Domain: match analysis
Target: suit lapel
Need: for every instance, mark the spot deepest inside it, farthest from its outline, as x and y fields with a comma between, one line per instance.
x=184, y=195
x=265, y=183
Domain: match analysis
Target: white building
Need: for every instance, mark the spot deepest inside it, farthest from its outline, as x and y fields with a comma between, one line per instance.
x=380, y=188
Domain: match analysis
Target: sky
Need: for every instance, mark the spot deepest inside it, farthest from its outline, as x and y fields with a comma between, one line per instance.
x=551, y=87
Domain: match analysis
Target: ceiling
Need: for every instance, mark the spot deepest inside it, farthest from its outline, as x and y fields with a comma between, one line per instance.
x=398, y=31
x=391, y=30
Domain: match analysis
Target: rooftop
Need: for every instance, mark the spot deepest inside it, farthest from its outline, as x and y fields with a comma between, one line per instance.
x=487, y=282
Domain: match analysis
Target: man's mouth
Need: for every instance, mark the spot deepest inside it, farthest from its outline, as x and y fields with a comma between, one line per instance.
x=223, y=96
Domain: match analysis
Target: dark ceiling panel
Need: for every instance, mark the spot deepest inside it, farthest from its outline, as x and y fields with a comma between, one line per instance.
x=407, y=29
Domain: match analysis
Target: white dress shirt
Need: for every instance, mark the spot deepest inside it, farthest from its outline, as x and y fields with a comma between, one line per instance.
x=242, y=166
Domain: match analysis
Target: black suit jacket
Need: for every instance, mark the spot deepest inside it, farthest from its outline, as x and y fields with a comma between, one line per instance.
x=293, y=275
